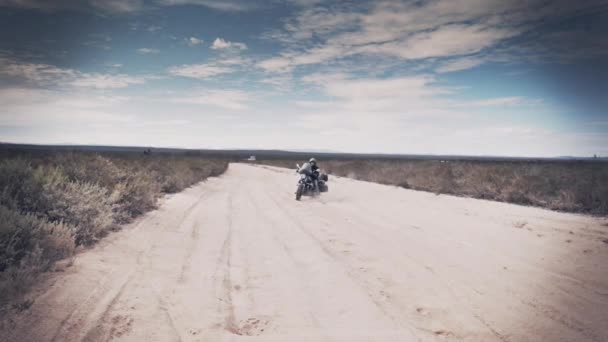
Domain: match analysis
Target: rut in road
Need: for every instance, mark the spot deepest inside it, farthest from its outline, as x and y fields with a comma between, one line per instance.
x=237, y=258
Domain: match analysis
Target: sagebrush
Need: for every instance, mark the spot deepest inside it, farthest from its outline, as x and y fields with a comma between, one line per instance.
x=52, y=203
x=574, y=186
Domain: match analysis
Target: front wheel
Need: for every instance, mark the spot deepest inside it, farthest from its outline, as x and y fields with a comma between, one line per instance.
x=299, y=191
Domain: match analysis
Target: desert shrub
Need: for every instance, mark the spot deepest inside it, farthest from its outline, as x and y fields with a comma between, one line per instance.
x=86, y=207
x=136, y=195
x=177, y=173
x=28, y=245
x=18, y=185
x=172, y=175
x=567, y=186
x=47, y=193
x=94, y=169
x=51, y=203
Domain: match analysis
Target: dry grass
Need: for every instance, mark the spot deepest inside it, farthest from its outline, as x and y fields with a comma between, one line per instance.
x=565, y=186
x=50, y=204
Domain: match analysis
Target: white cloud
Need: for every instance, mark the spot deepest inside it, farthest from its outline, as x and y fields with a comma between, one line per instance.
x=36, y=72
x=193, y=41
x=396, y=88
x=459, y=64
x=234, y=61
x=276, y=64
x=27, y=107
x=119, y=6
x=403, y=96
x=499, y=101
x=317, y=21
x=147, y=51
x=210, y=69
x=47, y=75
x=107, y=81
x=305, y=2
x=201, y=71
x=221, y=44
x=401, y=30
x=139, y=26
x=220, y=5
x=281, y=82
x=13, y=96
x=228, y=99
x=447, y=41
x=112, y=6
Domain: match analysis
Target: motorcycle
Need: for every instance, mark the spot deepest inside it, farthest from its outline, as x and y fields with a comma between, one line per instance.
x=306, y=183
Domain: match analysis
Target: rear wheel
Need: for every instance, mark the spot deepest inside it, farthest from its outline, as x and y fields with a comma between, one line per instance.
x=299, y=192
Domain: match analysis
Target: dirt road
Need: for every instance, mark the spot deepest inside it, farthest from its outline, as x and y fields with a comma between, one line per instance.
x=238, y=259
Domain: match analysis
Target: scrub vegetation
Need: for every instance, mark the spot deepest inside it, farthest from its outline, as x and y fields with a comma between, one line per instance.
x=52, y=203
x=573, y=186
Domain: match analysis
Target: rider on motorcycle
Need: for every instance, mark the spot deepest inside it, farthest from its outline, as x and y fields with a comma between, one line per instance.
x=310, y=169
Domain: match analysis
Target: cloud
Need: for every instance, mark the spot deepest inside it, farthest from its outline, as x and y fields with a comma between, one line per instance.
x=459, y=64
x=410, y=31
x=276, y=64
x=221, y=44
x=353, y=89
x=499, y=101
x=45, y=75
x=193, y=41
x=27, y=107
x=316, y=21
x=147, y=51
x=100, y=41
x=228, y=99
x=304, y=2
x=447, y=41
x=118, y=6
x=220, y=5
x=139, y=26
x=14, y=95
x=209, y=69
x=36, y=72
x=233, y=61
x=281, y=82
x=110, y=6
x=406, y=96
x=200, y=71
x=127, y=6
x=107, y=81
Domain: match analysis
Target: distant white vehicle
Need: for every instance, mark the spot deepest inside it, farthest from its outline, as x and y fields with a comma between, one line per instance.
x=251, y=158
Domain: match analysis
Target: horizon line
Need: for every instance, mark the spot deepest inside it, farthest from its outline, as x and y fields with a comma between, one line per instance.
x=302, y=151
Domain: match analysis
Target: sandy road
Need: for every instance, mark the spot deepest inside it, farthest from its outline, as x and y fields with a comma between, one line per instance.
x=237, y=258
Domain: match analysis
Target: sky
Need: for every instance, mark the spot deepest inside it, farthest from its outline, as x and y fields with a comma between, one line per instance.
x=461, y=77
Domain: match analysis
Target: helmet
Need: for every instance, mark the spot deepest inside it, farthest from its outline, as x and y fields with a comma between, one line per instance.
x=312, y=160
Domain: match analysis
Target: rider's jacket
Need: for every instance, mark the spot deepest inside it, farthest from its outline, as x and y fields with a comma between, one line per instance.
x=307, y=168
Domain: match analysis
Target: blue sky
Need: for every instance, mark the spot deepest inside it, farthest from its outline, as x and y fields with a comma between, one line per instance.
x=491, y=77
